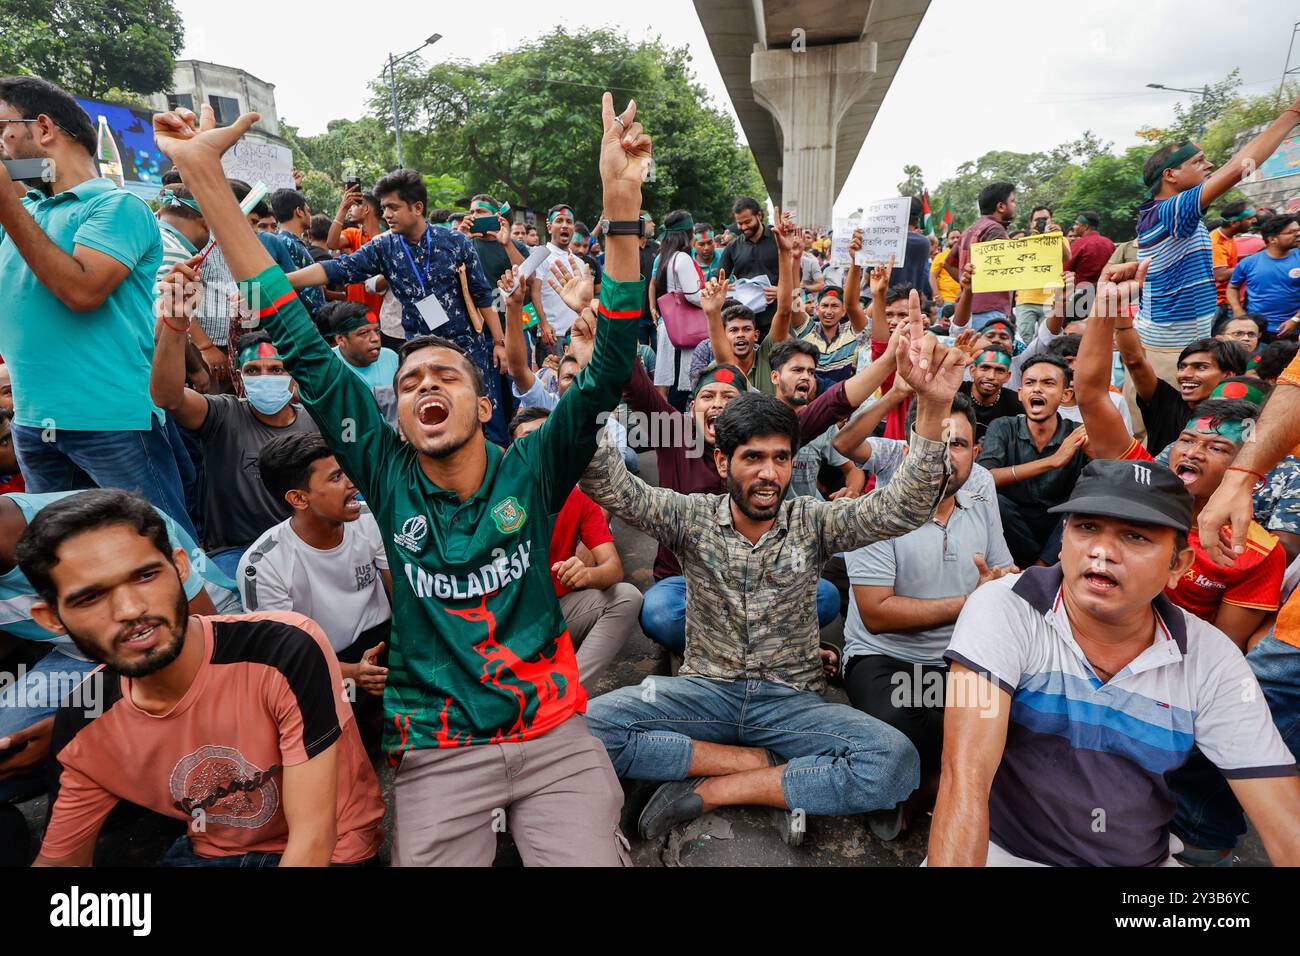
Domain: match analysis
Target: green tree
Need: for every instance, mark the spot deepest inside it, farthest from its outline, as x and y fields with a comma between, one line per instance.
x=914, y=184
x=90, y=47
x=444, y=190
x=526, y=125
x=1112, y=187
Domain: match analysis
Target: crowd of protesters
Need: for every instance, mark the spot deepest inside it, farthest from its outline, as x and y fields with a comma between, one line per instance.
x=289, y=495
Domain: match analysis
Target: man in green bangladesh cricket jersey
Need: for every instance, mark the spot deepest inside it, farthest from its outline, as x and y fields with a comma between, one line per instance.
x=483, y=702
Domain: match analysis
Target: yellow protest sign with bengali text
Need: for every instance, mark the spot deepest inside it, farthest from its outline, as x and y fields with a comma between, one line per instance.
x=1008, y=264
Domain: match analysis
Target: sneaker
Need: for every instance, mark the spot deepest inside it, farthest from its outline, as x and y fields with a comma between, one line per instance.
x=673, y=803
x=789, y=825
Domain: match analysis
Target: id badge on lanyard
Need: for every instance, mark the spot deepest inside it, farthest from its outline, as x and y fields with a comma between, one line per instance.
x=430, y=309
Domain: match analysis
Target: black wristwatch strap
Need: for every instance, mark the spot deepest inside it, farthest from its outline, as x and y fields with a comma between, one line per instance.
x=623, y=227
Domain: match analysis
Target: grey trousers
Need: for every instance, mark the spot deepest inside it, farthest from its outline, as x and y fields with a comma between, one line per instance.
x=599, y=622
x=556, y=794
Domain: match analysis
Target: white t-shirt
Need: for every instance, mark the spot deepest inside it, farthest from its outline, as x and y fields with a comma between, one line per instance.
x=559, y=315
x=340, y=589
x=673, y=365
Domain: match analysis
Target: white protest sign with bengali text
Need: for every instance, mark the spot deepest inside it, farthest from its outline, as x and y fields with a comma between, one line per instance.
x=265, y=162
x=841, y=233
x=884, y=231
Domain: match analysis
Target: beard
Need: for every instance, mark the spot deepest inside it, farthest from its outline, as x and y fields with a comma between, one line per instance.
x=444, y=447
x=158, y=656
x=740, y=495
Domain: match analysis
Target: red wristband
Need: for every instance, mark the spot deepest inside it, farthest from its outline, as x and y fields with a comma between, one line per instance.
x=184, y=330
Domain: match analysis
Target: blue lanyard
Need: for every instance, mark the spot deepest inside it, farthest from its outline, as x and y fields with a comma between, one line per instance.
x=428, y=256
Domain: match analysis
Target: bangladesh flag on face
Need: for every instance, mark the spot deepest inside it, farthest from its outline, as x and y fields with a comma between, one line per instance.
x=926, y=224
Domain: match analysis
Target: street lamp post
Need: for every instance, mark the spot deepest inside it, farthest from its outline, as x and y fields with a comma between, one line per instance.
x=1203, y=93
x=392, y=90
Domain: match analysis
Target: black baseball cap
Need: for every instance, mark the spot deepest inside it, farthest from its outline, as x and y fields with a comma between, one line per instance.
x=1141, y=491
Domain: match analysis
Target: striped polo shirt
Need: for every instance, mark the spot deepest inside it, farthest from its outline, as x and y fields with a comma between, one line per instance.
x=1082, y=777
x=1179, y=298
x=839, y=357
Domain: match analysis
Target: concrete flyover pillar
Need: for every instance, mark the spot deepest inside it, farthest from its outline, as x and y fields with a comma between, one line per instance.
x=808, y=91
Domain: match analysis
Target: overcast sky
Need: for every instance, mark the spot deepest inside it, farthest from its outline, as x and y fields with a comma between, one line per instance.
x=1064, y=66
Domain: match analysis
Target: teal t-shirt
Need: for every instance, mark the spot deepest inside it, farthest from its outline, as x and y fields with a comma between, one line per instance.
x=83, y=370
x=379, y=376
x=17, y=594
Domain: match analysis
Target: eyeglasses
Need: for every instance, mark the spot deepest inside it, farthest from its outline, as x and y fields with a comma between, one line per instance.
x=4, y=121
x=1243, y=335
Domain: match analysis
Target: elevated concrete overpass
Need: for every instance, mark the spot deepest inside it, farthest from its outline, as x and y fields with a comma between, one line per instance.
x=806, y=78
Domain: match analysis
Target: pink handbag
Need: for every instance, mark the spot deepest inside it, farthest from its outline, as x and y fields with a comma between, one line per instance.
x=686, y=323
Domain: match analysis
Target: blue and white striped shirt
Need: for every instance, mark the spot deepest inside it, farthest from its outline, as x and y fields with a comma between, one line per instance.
x=1178, y=301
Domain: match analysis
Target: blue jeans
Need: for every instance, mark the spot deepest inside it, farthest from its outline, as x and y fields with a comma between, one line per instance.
x=58, y=459
x=838, y=760
x=1208, y=815
x=663, y=611
x=227, y=560
x=31, y=700
x=181, y=853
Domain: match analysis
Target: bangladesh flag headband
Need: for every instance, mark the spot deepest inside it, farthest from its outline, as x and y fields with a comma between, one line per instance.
x=488, y=207
x=994, y=357
x=682, y=225
x=258, y=350
x=1242, y=391
x=723, y=375
x=1230, y=428
x=562, y=211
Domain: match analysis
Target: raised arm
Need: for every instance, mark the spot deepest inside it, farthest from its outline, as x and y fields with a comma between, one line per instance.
x=711, y=301
x=516, y=342
x=1107, y=436
x=1134, y=357
x=567, y=440
x=853, y=285
x=1251, y=156
x=339, y=401
x=178, y=296
x=851, y=441
x=334, y=241
x=789, y=253
x=879, y=281
x=662, y=513
x=935, y=372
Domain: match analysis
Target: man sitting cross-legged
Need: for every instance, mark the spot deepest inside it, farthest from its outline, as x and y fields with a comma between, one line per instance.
x=743, y=723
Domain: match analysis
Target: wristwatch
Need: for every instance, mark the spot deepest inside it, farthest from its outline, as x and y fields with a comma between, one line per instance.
x=621, y=227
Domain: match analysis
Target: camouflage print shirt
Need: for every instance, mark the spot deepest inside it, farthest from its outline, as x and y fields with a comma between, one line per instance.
x=751, y=608
x=1277, y=503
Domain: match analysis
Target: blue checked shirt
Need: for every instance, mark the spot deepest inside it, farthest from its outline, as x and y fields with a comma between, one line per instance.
x=436, y=256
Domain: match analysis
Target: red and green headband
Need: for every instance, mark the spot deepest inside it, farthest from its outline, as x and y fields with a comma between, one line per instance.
x=1232, y=429
x=722, y=375
x=562, y=211
x=1242, y=391
x=995, y=357
x=258, y=350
